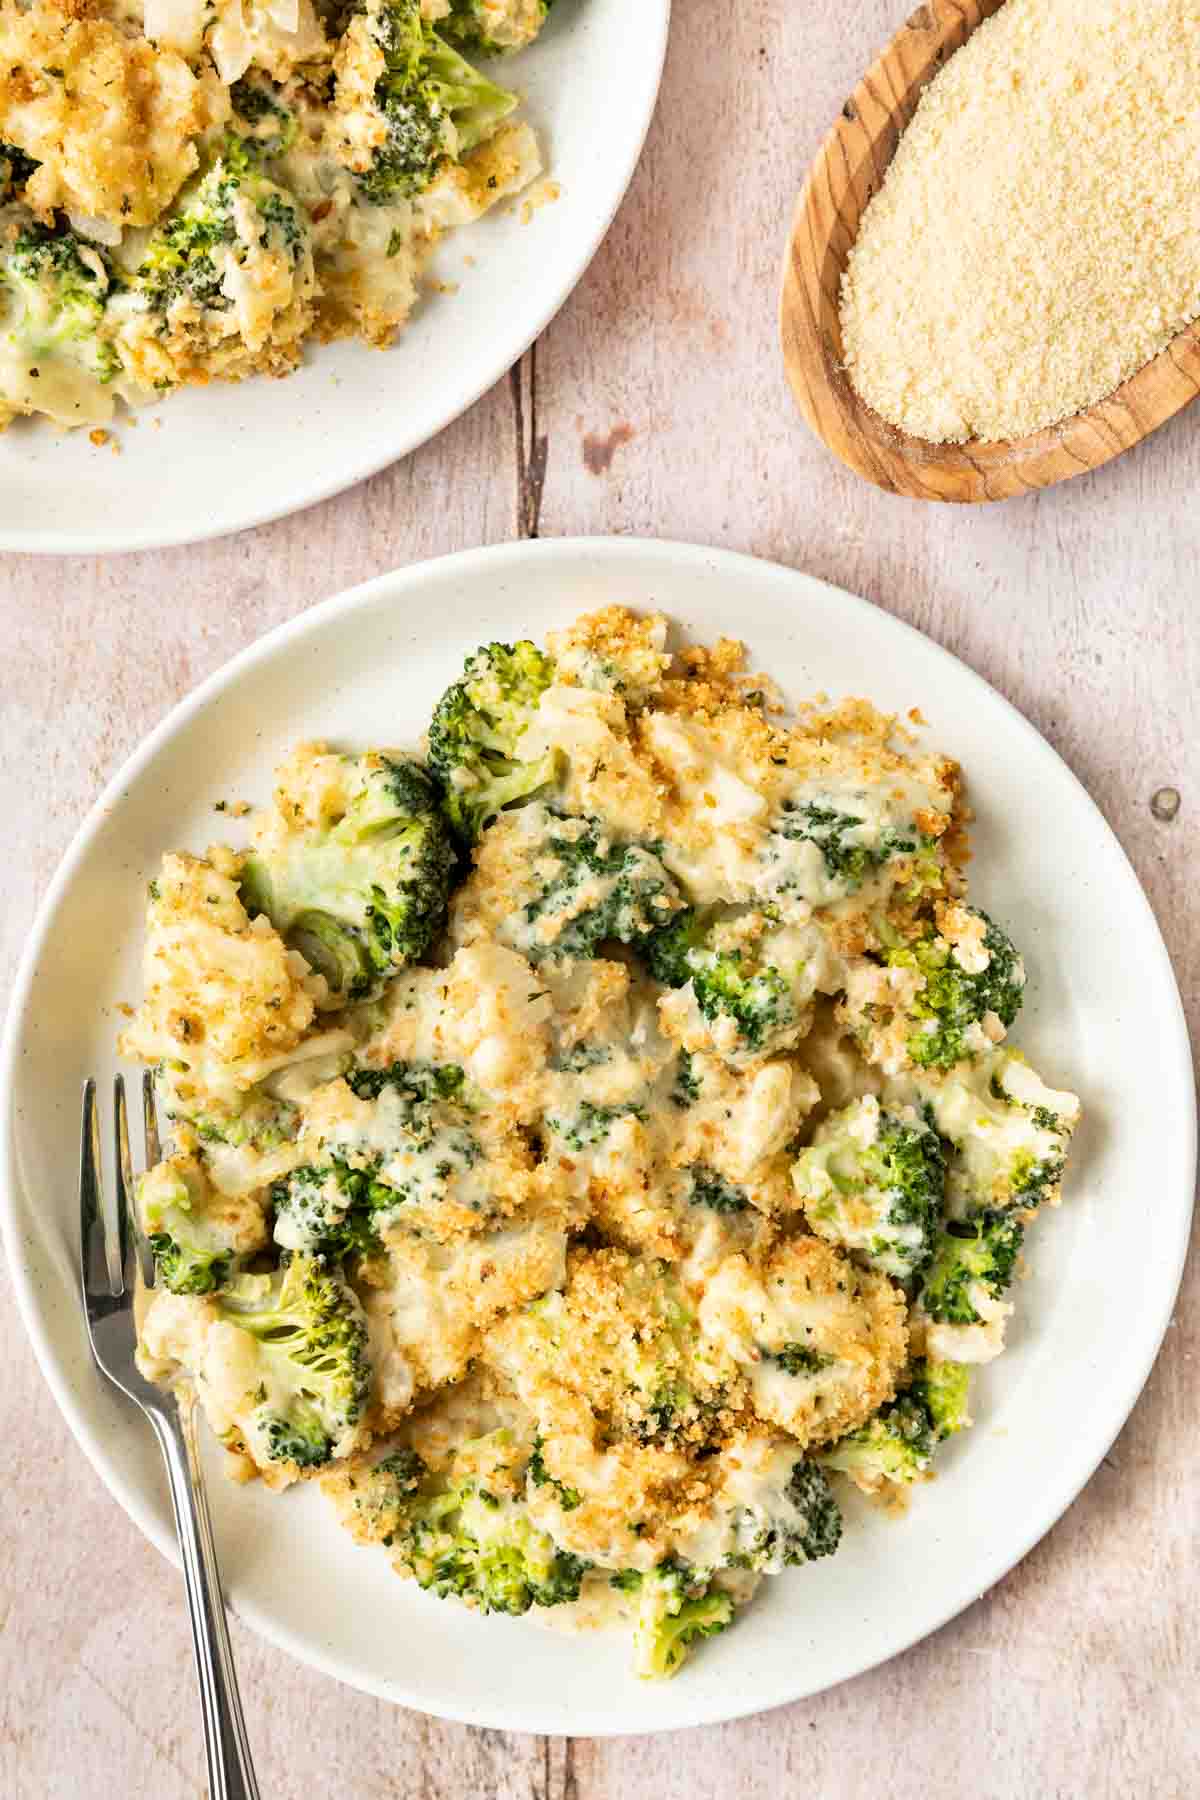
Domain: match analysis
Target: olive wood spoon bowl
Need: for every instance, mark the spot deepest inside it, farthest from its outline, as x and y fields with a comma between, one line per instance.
x=848, y=170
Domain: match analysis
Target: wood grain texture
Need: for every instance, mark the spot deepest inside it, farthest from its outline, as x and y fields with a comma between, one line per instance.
x=845, y=175
x=656, y=404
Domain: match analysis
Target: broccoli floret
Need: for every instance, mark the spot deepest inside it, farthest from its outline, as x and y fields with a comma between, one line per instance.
x=970, y=1255
x=405, y=1468
x=676, y=1607
x=896, y=1445
x=800, y=1359
x=269, y=124
x=732, y=984
x=436, y=106
x=791, y=1518
x=817, y=1531
x=195, y=1244
x=953, y=998
x=627, y=894
x=311, y=1354
x=943, y=1389
x=479, y=1546
x=677, y=952
x=494, y=27
x=475, y=736
x=416, y=1145
x=330, y=1210
x=872, y=1181
x=1034, y=1179
x=1009, y=1133
x=710, y=1189
x=591, y=1124
x=184, y=258
x=669, y=1406
x=58, y=285
x=849, y=851
x=421, y=1084
x=256, y=1120
x=568, y=1497
x=375, y=1498
x=363, y=899
x=686, y=1087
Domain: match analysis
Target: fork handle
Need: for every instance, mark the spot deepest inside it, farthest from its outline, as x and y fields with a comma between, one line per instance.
x=230, y=1770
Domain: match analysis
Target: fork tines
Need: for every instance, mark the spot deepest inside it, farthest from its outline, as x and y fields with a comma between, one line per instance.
x=108, y=1279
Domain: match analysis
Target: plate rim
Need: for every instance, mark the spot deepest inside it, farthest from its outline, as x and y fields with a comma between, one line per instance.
x=614, y=550
x=37, y=541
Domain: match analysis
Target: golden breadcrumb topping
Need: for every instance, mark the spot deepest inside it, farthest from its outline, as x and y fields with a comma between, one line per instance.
x=112, y=121
x=223, y=993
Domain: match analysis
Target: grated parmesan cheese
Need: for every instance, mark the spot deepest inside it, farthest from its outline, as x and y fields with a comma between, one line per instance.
x=1037, y=237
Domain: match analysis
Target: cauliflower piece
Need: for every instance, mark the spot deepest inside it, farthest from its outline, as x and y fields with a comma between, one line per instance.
x=428, y=1304
x=111, y=119
x=613, y=651
x=224, y=996
x=823, y=1342
x=488, y=1012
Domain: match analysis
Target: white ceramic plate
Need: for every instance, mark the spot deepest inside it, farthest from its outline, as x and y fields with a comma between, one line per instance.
x=213, y=460
x=1102, y=1015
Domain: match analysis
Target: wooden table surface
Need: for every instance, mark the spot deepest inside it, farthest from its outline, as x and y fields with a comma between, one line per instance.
x=654, y=404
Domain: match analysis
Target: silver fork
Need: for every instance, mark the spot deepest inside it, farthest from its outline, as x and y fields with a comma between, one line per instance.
x=108, y=1293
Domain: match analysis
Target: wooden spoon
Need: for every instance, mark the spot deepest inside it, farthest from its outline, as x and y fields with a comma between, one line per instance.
x=847, y=172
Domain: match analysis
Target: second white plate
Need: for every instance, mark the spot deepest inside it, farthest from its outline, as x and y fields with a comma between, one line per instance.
x=222, y=458
x=1102, y=1016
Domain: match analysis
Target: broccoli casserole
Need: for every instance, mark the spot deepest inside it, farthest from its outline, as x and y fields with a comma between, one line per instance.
x=595, y=1139
x=192, y=189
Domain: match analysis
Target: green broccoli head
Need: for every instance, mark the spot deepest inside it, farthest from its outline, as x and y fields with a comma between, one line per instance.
x=799, y=1359
x=872, y=1181
x=895, y=1446
x=676, y=1607
x=255, y=1119
x=311, y=1357
x=685, y=1089
x=262, y=116
x=437, y=108
x=593, y=891
x=970, y=1258
x=196, y=1242
x=186, y=256
x=363, y=899
x=376, y=1497
x=943, y=1389
x=494, y=27
x=57, y=286
x=330, y=1210
x=419, y=1139
x=955, y=998
x=851, y=850
x=775, y=1509
x=738, y=985
x=590, y=1124
x=477, y=1543
x=476, y=731
x=568, y=1497
x=708, y=1188
x=816, y=1531
x=1008, y=1132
